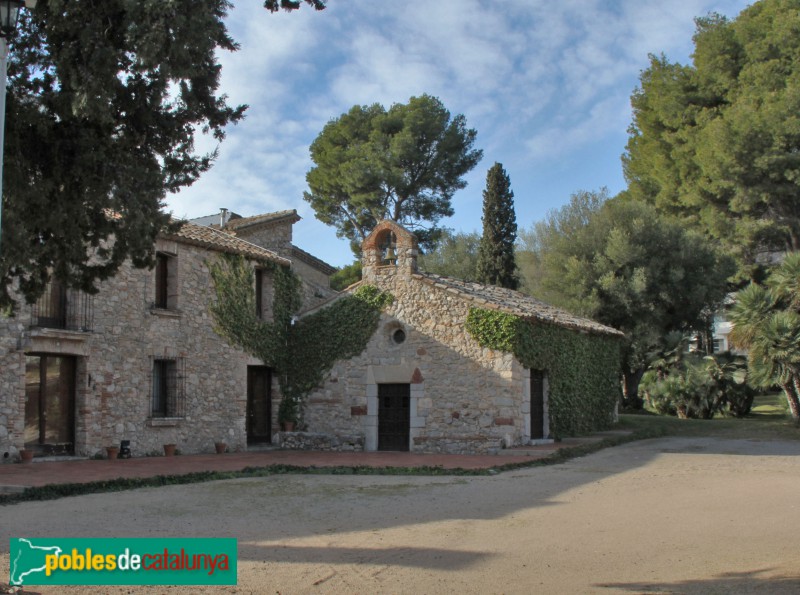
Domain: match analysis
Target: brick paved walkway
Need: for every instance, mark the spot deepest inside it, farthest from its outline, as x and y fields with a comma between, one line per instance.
x=14, y=477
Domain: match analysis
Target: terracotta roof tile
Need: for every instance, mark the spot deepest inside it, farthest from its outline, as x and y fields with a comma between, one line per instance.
x=243, y=222
x=215, y=239
x=514, y=302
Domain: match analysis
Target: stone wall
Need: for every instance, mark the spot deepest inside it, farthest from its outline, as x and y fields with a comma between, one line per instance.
x=275, y=236
x=115, y=363
x=12, y=386
x=464, y=398
x=314, y=441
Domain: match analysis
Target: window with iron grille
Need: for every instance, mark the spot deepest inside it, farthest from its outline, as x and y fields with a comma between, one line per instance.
x=63, y=308
x=167, y=388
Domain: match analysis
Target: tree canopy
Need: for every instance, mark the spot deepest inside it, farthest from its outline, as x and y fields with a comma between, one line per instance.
x=496, y=263
x=104, y=101
x=404, y=163
x=622, y=264
x=456, y=255
x=717, y=143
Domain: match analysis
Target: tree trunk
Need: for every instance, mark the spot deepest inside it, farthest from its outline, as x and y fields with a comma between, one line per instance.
x=791, y=390
x=630, y=388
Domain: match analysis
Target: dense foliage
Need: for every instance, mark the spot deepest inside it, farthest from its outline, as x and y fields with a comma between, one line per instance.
x=717, y=142
x=339, y=331
x=456, y=255
x=620, y=263
x=496, y=264
x=299, y=351
x=766, y=322
x=104, y=102
x=346, y=276
x=583, y=369
x=404, y=163
x=690, y=385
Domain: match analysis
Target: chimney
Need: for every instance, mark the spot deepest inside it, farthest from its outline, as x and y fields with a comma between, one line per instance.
x=223, y=217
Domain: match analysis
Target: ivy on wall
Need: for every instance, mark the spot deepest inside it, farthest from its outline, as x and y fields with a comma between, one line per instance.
x=583, y=369
x=339, y=331
x=300, y=352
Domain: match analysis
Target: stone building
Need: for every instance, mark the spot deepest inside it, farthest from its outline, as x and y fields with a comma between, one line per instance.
x=423, y=383
x=140, y=360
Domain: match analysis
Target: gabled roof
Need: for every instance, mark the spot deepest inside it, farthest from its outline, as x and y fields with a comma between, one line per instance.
x=289, y=216
x=514, y=302
x=312, y=260
x=495, y=298
x=214, y=239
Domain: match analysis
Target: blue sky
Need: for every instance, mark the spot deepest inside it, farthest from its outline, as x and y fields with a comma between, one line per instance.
x=547, y=86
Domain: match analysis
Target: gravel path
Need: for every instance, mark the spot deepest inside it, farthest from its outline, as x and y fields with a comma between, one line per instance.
x=659, y=516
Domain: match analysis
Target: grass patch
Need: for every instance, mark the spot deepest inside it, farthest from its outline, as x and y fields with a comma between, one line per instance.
x=769, y=420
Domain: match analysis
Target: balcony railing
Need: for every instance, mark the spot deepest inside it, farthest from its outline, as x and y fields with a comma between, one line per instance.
x=63, y=308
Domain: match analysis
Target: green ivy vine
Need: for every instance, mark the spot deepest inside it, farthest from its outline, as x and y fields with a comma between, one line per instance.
x=300, y=352
x=583, y=369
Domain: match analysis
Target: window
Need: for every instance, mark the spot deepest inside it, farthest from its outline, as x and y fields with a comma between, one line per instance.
x=167, y=388
x=263, y=295
x=165, y=282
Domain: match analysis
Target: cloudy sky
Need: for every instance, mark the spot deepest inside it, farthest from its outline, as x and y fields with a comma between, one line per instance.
x=546, y=84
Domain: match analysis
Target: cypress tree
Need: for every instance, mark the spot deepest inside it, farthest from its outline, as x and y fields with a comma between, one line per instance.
x=496, y=263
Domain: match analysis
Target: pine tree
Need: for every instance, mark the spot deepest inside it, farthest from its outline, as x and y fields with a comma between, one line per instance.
x=105, y=100
x=496, y=263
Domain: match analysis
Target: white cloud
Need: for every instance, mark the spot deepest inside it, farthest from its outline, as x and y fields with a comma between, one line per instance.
x=538, y=80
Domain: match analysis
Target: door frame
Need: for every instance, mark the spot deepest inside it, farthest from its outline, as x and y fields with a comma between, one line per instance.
x=394, y=392
x=250, y=422
x=41, y=446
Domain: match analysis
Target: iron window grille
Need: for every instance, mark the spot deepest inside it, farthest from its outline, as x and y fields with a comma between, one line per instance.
x=62, y=308
x=167, y=393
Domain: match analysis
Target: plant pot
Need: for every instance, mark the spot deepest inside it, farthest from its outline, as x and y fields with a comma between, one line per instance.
x=169, y=450
x=112, y=452
x=288, y=426
x=26, y=455
x=220, y=447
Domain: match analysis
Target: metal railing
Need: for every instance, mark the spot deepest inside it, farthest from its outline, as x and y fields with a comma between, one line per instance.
x=63, y=308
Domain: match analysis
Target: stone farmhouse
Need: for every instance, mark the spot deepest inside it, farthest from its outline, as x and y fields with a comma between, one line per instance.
x=140, y=360
x=424, y=384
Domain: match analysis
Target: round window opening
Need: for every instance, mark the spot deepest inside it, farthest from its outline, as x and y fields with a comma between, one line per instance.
x=399, y=336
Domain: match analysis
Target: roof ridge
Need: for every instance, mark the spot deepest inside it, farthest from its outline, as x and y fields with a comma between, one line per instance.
x=492, y=296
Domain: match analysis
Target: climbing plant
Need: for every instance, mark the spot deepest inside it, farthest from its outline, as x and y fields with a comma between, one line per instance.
x=299, y=351
x=339, y=331
x=583, y=369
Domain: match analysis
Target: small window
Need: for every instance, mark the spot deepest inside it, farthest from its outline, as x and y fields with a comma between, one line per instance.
x=399, y=336
x=167, y=388
x=165, y=282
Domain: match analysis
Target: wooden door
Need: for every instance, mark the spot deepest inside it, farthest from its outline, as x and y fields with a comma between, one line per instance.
x=259, y=404
x=537, y=404
x=394, y=416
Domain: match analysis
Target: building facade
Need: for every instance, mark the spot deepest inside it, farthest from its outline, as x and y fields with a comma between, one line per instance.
x=140, y=360
x=423, y=383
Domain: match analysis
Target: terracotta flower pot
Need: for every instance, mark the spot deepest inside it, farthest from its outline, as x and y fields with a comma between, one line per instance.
x=288, y=426
x=112, y=452
x=220, y=447
x=26, y=455
x=169, y=450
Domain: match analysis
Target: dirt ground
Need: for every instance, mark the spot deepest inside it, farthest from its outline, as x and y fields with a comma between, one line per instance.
x=678, y=515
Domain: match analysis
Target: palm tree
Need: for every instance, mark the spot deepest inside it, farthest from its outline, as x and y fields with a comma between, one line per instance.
x=766, y=322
